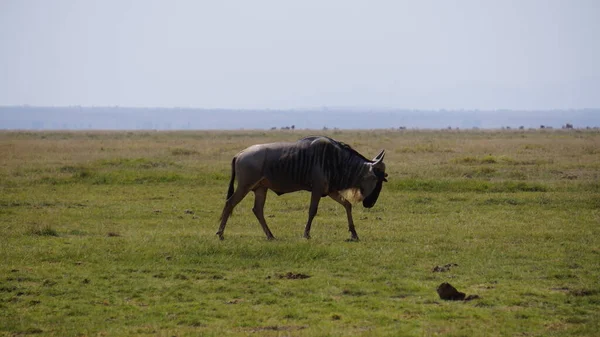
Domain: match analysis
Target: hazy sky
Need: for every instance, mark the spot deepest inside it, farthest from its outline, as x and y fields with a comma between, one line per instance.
x=524, y=54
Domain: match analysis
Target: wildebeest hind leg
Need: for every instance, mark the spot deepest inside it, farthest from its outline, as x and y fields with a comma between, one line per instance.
x=235, y=199
x=260, y=196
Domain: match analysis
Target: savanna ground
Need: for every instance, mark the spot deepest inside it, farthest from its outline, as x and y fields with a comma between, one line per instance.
x=113, y=234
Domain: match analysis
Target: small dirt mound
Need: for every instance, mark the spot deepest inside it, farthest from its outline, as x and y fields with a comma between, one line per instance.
x=293, y=276
x=448, y=293
x=282, y=328
x=444, y=268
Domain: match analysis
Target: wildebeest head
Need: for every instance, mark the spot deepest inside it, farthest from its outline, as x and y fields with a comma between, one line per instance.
x=373, y=182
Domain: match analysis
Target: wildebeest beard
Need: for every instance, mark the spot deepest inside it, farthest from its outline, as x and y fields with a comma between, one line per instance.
x=371, y=199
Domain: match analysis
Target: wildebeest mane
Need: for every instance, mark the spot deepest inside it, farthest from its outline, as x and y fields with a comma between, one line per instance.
x=338, y=144
x=342, y=164
x=342, y=181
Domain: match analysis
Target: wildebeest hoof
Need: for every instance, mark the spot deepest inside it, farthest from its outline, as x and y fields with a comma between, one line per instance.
x=270, y=238
x=307, y=236
x=221, y=237
x=353, y=239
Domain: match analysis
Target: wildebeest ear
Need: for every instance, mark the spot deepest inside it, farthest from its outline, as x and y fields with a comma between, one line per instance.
x=379, y=157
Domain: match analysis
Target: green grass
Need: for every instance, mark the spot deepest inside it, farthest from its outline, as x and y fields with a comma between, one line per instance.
x=113, y=233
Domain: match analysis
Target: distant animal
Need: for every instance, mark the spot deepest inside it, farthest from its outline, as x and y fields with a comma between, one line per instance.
x=318, y=164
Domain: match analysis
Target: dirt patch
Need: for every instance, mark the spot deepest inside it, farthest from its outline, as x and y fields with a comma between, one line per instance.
x=293, y=276
x=444, y=268
x=234, y=301
x=276, y=328
x=471, y=297
x=448, y=293
x=583, y=292
x=181, y=277
x=351, y=292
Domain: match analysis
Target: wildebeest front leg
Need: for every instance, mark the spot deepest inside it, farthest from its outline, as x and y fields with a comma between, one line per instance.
x=315, y=197
x=348, y=206
x=260, y=196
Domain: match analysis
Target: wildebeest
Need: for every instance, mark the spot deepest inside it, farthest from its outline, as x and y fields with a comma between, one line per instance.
x=320, y=165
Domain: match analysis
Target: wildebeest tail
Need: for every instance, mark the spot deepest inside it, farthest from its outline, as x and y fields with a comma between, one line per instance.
x=230, y=191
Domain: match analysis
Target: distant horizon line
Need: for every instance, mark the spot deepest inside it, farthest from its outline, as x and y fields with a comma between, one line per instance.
x=296, y=130
x=321, y=108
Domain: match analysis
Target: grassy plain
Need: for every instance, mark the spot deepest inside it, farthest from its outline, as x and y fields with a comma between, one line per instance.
x=113, y=234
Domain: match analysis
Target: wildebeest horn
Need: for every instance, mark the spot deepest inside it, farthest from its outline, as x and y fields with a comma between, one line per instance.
x=378, y=158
